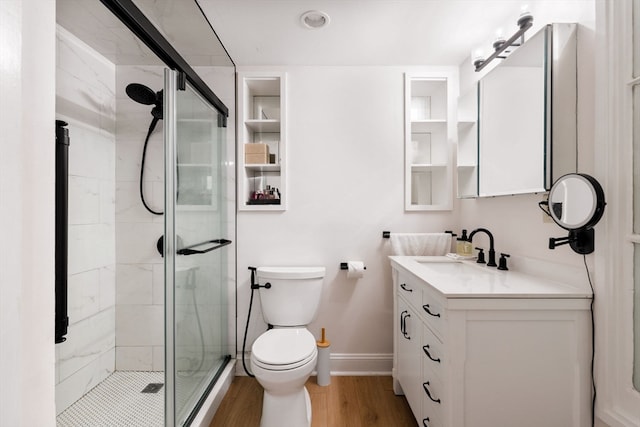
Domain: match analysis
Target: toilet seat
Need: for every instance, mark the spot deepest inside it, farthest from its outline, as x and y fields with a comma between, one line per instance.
x=284, y=349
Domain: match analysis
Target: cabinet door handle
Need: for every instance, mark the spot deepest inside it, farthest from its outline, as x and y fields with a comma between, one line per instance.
x=426, y=308
x=426, y=390
x=425, y=421
x=404, y=287
x=402, y=321
x=404, y=332
x=425, y=348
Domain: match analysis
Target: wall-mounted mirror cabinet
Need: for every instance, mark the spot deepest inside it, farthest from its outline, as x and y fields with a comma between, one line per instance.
x=526, y=119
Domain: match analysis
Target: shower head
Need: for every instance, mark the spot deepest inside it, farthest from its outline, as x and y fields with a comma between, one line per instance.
x=145, y=95
x=141, y=94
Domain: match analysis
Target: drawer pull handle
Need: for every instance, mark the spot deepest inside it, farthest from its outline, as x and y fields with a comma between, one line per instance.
x=425, y=421
x=424, y=385
x=404, y=287
x=426, y=308
x=425, y=348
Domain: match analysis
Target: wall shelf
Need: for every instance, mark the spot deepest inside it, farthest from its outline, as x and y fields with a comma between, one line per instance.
x=262, y=130
x=428, y=154
x=467, y=158
x=269, y=126
x=263, y=168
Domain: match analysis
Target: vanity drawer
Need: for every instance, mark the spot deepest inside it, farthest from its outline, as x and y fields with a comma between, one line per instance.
x=432, y=401
x=433, y=311
x=410, y=290
x=432, y=353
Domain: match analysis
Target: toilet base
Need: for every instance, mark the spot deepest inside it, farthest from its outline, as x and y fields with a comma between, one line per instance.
x=288, y=410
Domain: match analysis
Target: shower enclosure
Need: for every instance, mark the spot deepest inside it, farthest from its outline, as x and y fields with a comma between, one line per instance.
x=150, y=334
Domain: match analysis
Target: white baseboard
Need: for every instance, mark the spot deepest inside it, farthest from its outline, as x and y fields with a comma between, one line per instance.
x=343, y=364
x=212, y=403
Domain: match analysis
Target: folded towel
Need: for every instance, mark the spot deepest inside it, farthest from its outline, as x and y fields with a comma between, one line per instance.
x=420, y=244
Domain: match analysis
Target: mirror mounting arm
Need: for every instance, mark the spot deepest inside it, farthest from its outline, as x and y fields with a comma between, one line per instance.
x=581, y=241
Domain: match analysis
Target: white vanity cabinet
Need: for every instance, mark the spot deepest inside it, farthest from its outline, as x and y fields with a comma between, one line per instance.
x=496, y=349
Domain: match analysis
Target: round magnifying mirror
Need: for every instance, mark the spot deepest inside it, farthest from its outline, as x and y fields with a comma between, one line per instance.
x=576, y=201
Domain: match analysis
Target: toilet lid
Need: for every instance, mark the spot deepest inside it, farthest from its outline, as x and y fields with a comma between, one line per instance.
x=283, y=346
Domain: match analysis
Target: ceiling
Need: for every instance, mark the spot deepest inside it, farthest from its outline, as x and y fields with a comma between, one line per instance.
x=269, y=32
x=361, y=32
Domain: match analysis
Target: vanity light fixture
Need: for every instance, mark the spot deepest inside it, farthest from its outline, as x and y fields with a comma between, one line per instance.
x=314, y=19
x=500, y=45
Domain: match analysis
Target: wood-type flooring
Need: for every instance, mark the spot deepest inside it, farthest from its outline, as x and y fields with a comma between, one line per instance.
x=356, y=401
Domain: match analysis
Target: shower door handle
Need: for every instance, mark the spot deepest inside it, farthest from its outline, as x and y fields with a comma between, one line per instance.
x=218, y=243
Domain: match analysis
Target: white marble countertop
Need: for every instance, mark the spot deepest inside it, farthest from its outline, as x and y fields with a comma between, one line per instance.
x=467, y=279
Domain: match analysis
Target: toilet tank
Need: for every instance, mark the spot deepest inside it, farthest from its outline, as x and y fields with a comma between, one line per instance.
x=294, y=296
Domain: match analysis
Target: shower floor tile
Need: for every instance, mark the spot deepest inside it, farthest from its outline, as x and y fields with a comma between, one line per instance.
x=118, y=401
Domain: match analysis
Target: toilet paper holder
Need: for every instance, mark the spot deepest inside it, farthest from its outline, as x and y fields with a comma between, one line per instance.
x=345, y=266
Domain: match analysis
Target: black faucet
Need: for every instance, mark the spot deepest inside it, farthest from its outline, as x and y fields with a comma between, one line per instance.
x=492, y=251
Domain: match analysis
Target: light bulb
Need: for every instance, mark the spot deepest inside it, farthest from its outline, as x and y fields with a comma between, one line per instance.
x=525, y=16
x=477, y=57
x=499, y=40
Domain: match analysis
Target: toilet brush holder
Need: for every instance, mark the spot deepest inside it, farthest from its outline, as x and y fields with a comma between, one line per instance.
x=322, y=367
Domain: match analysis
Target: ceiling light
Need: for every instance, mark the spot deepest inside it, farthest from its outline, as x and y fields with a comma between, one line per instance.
x=314, y=19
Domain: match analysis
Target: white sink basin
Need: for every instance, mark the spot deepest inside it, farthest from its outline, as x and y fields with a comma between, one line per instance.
x=456, y=268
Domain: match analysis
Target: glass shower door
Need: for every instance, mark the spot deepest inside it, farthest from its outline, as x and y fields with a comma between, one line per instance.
x=195, y=249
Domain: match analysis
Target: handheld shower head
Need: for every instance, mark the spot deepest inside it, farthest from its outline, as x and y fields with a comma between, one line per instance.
x=146, y=96
x=141, y=93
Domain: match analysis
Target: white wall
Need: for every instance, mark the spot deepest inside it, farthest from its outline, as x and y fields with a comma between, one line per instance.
x=85, y=99
x=27, y=118
x=345, y=148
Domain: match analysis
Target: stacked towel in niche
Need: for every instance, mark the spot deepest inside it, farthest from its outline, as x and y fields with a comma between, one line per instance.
x=420, y=244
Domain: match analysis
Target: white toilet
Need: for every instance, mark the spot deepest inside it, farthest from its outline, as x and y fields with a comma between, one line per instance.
x=283, y=357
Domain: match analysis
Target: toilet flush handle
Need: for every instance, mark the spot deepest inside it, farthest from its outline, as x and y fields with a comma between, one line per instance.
x=254, y=284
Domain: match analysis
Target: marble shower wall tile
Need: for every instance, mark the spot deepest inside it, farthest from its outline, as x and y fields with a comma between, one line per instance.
x=140, y=313
x=75, y=386
x=139, y=325
x=91, y=246
x=86, y=341
x=85, y=99
x=83, y=295
x=134, y=358
x=134, y=284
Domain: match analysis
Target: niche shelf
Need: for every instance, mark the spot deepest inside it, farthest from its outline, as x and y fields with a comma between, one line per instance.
x=428, y=156
x=467, y=155
x=262, y=141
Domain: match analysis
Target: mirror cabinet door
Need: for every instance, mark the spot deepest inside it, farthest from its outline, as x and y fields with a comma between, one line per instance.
x=512, y=132
x=525, y=129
